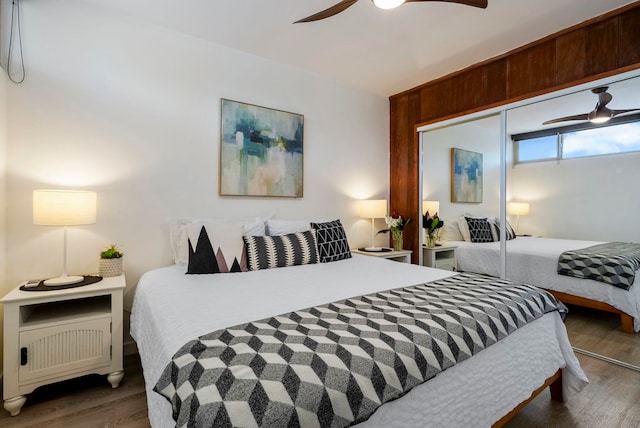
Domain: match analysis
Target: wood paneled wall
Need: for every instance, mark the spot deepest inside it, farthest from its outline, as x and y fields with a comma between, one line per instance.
x=594, y=49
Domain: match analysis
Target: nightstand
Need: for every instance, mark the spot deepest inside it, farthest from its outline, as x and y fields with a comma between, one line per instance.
x=50, y=336
x=403, y=256
x=442, y=257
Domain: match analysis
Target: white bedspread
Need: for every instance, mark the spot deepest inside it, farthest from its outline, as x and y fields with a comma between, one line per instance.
x=171, y=308
x=535, y=260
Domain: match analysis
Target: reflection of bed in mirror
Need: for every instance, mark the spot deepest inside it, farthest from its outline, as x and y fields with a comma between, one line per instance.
x=171, y=308
x=535, y=260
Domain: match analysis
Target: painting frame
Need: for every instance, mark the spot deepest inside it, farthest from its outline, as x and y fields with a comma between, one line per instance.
x=466, y=176
x=261, y=151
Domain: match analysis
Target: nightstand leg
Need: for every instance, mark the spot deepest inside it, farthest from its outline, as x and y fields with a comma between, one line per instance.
x=13, y=405
x=115, y=378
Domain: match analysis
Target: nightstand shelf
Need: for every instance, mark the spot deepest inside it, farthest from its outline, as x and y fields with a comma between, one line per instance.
x=50, y=336
x=403, y=256
x=442, y=257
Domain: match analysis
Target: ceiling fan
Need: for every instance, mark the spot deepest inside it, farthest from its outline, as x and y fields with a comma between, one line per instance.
x=382, y=4
x=600, y=114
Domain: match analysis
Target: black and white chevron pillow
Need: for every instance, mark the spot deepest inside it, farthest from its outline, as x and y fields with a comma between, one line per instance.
x=479, y=229
x=332, y=241
x=266, y=252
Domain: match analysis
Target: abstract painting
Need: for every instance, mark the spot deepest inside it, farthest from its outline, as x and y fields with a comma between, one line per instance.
x=260, y=151
x=466, y=176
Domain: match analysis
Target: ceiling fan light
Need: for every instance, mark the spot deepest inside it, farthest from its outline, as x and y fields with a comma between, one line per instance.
x=388, y=4
x=600, y=115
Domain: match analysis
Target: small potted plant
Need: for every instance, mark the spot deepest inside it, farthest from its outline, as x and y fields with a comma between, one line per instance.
x=110, y=262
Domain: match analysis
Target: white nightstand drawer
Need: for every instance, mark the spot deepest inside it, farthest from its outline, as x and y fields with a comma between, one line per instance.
x=441, y=257
x=64, y=348
x=449, y=264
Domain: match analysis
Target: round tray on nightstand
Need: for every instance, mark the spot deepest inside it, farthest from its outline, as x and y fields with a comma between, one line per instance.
x=88, y=279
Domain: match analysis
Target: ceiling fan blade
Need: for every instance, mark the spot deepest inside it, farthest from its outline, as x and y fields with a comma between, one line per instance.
x=617, y=112
x=333, y=10
x=584, y=116
x=604, y=98
x=475, y=3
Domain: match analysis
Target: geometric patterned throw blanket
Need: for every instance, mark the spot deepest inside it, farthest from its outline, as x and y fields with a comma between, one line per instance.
x=333, y=365
x=614, y=263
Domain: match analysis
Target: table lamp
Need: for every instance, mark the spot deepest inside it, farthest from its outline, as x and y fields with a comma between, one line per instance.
x=373, y=208
x=64, y=208
x=431, y=207
x=518, y=209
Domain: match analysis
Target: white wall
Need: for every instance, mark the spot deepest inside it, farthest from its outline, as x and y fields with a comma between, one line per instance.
x=132, y=111
x=3, y=194
x=588, y=198
x=481, y=136
x=3, y=175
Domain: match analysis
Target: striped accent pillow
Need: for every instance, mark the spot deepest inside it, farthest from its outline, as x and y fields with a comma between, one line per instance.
x=266, y=252
x=495, y=231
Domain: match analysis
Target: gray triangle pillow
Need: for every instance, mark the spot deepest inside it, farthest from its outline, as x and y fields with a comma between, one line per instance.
x=216, y=248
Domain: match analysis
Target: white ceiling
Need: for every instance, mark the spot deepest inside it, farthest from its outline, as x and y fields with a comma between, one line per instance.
x=380, y=51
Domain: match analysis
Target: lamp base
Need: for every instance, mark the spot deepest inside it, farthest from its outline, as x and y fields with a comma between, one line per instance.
x=63, y=280
x=374, y=249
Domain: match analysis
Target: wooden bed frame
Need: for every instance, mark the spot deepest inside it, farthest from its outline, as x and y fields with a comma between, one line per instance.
x=555, y=387
x=626, y=320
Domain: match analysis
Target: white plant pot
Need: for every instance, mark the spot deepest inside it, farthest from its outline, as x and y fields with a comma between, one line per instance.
x=110, y=267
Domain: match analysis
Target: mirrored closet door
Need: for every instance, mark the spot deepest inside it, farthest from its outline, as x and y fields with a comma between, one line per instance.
x=554, y=189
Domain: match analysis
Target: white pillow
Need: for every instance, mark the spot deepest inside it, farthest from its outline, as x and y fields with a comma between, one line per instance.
x=178, y=236
x=464, y=229
x=451, y=231
x=285, y=227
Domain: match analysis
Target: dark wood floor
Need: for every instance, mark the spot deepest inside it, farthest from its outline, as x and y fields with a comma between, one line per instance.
x=85, y=402
x=599, y=332
x=612, y=399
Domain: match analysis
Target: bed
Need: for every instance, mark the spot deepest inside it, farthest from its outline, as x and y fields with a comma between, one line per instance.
x=171, y=308
x=534, y=260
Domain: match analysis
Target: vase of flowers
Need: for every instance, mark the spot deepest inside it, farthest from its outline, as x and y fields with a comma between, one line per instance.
x=396, y=225
x=431, y=225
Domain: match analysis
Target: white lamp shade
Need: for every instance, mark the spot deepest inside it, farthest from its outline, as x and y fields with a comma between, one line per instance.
x=372, y=208
x=518, y=208
x=64, y=207
x=432, y=207
x=388, y=4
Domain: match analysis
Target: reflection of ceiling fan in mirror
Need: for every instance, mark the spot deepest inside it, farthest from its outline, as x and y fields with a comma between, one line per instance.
x=382, y=4
x=600, y=114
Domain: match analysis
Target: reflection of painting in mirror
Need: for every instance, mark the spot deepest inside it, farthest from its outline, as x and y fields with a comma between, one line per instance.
x=260, y=151
x=466, y=176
